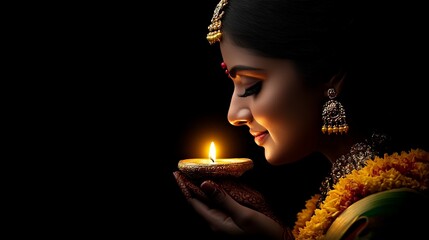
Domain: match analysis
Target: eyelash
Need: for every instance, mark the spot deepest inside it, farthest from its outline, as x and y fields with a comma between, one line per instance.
x=254, y=89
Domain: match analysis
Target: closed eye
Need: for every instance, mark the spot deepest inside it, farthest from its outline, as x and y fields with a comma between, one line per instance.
x=254, y=89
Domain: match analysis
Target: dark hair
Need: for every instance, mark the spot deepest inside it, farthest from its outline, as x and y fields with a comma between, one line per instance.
x=324, y=37
x=314, y=33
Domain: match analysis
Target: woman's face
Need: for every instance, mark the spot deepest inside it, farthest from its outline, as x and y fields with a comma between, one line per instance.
x=283, y=115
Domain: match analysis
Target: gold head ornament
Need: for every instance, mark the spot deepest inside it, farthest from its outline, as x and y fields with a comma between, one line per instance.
x=215, y=26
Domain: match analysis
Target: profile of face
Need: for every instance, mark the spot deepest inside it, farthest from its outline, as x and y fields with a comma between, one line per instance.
x=270, y=97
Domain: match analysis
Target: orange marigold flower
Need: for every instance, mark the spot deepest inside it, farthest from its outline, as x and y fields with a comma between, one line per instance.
x=407, y=169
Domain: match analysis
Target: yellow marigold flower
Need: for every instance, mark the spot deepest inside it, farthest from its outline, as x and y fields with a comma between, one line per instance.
x=406, y=169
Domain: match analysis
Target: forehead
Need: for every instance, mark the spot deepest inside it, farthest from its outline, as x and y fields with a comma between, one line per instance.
x=235, y=55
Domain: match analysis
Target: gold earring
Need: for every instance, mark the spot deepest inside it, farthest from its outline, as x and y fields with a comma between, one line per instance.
x=334, y=115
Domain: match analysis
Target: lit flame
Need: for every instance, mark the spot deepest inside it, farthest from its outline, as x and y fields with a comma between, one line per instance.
x=212, y=154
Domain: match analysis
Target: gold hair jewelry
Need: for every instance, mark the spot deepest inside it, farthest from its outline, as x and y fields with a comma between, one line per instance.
x=334, y=115
x=215, y=34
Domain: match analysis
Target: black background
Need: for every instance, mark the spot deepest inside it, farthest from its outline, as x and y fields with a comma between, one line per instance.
x=149, y=92
x=161, y=96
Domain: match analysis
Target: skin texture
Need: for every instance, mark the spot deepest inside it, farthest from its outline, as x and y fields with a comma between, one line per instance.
x=273, y=99
x=240, y=192
x=231, y=207
x=285, y=111
x=284, y=116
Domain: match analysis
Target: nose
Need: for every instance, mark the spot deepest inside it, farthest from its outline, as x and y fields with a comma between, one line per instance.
x=238, y=122
x=239, y=114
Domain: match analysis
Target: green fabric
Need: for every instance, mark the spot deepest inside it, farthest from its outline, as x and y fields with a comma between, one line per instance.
x=392, y=214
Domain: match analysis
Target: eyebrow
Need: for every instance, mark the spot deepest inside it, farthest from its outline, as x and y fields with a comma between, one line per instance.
x=238, y=68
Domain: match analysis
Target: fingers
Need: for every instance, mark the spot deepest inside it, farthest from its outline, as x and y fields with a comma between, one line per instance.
x=248, y=197
x=188, y=188
x=230, y=207
x=222, y=199
x=244, y=194
x=247, y=219
x=217, y=220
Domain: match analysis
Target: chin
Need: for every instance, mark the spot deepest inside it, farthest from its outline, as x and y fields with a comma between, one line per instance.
x=272, y=160
x=281, y=158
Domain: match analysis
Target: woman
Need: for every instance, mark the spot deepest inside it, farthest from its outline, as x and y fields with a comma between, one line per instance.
x=299, y=87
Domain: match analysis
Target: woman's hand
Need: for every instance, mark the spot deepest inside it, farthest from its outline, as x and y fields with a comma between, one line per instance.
x=232, y=208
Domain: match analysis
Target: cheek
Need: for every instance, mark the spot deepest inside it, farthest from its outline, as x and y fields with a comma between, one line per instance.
x=293, y=128
x=288, y=113
x=277, y=104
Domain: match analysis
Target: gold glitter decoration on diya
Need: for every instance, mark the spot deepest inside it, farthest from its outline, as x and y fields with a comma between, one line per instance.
x=214, y=168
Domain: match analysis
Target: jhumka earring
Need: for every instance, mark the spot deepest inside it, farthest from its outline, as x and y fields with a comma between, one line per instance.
x=334, y=115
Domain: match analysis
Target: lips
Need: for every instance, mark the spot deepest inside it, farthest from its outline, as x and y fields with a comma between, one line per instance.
x=260, y=137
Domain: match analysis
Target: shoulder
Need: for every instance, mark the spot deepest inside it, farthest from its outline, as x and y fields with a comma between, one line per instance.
x=389, y=214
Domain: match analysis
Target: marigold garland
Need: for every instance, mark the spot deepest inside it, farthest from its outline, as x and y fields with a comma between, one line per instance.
x=408, y=169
